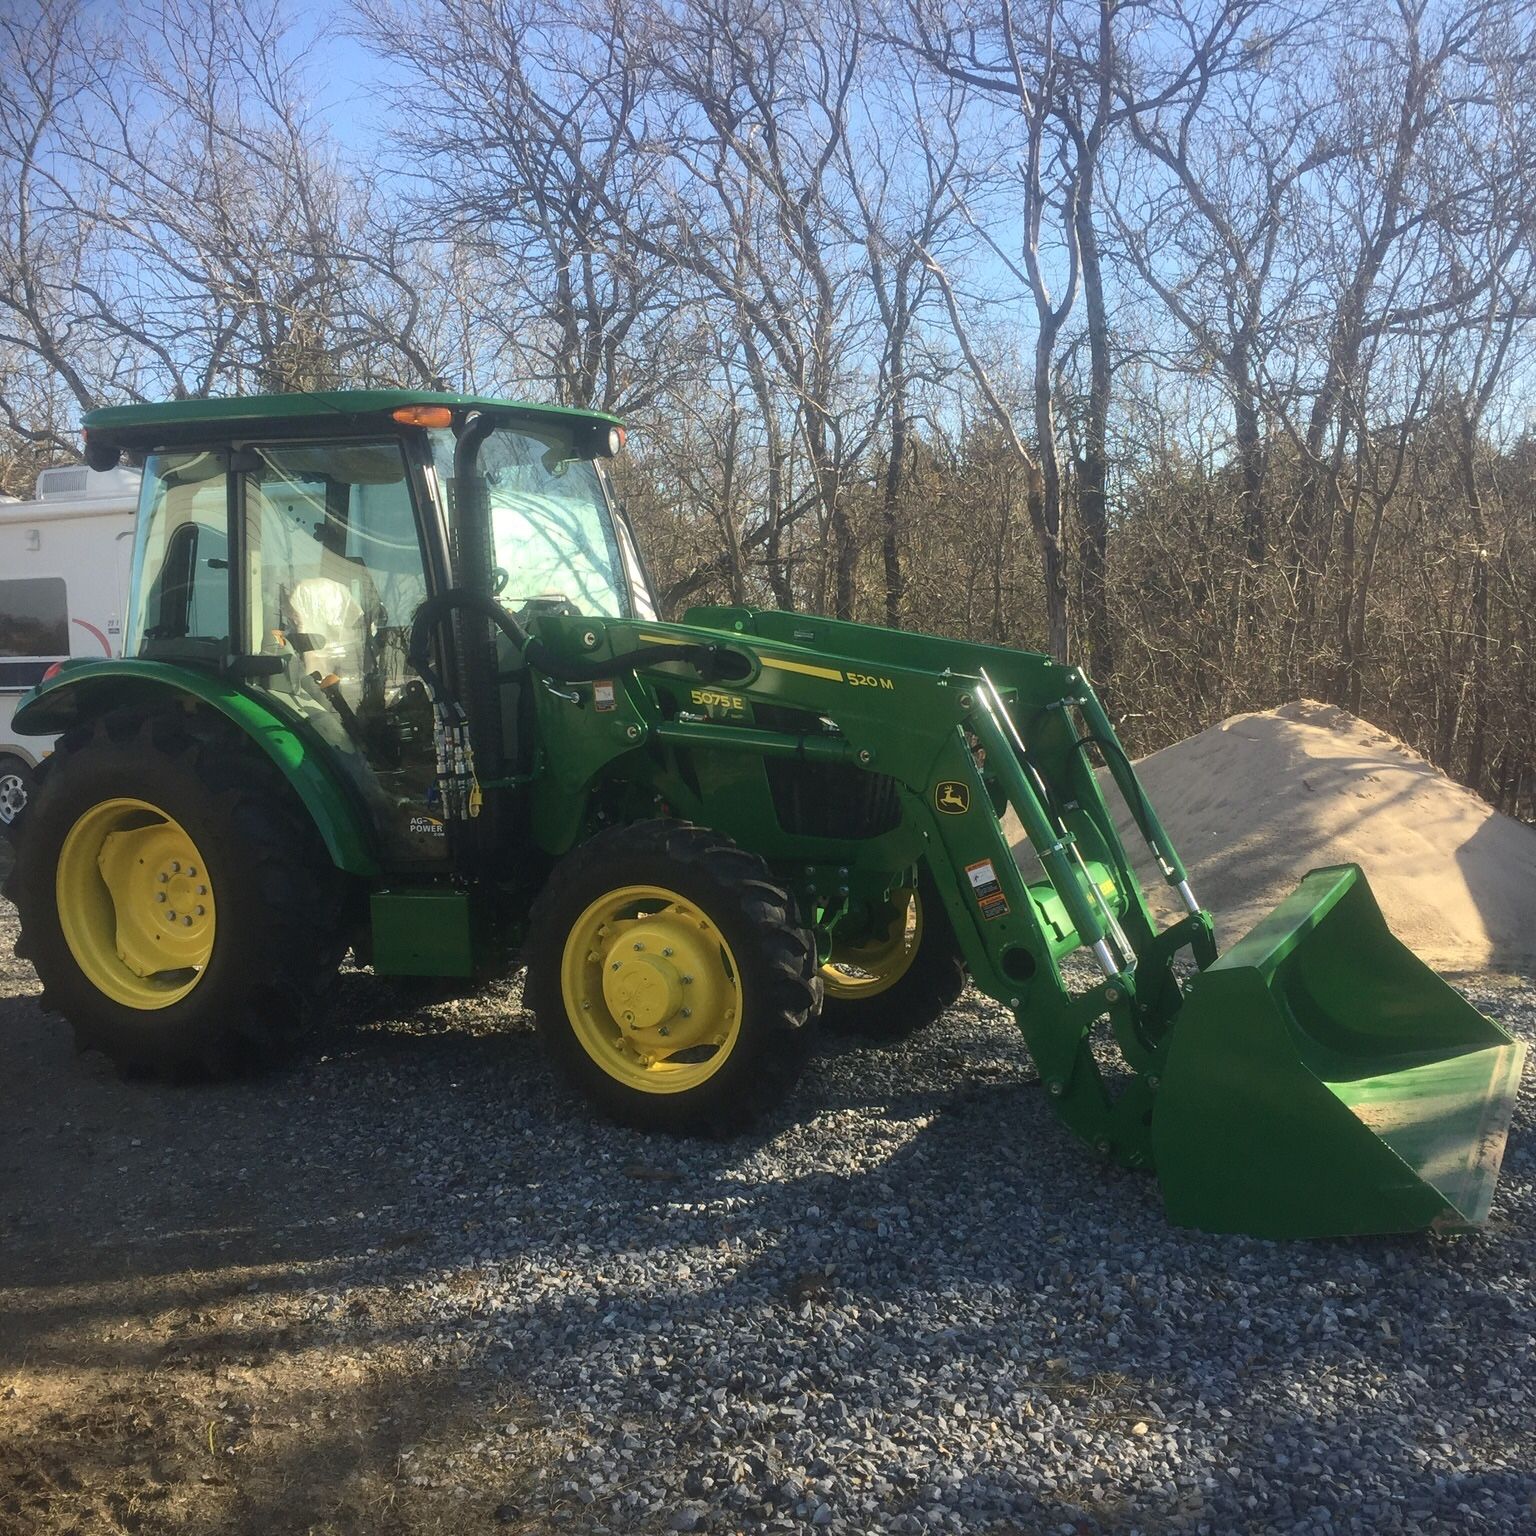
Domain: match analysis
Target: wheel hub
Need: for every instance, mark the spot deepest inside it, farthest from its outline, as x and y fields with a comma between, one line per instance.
x=135, y=903
x=657, y=981
x=161, y=896
x=13, y=797
x=651, y=989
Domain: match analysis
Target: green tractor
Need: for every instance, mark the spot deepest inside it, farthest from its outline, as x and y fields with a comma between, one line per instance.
x=393, y=681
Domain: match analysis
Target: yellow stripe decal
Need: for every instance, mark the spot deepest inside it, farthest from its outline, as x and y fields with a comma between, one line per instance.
x=830, y=673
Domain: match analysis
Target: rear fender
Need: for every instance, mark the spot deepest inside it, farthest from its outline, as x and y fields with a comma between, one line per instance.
x=82, y=691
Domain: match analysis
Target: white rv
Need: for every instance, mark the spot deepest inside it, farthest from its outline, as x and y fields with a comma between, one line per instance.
x=64, y=567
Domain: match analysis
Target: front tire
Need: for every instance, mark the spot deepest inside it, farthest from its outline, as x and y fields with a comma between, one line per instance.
x=176, y=902
x=903, y=980
x=671, y=983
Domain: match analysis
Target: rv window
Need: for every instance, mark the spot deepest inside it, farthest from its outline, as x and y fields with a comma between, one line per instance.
x=34, y=617
x=34, y=628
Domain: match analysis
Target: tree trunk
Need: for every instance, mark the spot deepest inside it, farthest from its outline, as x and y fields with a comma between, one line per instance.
x=895, y=478
x=1092, y=508
x=1046, y=513
x=1479, y=645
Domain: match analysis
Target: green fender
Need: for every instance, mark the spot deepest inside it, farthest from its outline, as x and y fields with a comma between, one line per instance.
x=81, y=690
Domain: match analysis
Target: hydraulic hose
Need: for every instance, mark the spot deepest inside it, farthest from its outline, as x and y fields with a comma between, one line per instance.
x=714, y=663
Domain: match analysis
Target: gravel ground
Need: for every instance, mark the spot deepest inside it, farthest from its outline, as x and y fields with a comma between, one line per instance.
x=909, y=1304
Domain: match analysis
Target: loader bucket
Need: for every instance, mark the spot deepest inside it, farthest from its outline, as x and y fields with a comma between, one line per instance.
x=1322, y=1081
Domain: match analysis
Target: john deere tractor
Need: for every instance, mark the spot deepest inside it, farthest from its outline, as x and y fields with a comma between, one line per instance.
x=393, y=681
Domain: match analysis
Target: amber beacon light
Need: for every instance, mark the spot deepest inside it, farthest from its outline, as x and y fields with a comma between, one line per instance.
x=423, y=416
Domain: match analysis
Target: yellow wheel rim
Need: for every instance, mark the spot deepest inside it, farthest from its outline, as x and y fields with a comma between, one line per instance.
x=651, y=989
x=866, y=970
x=135, y=903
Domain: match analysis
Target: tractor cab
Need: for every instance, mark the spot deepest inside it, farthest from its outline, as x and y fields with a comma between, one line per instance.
x=290, y=546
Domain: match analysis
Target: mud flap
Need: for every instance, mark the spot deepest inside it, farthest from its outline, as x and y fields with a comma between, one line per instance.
x=1322, y=1081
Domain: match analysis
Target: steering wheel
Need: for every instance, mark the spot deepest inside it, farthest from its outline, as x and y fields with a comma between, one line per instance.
x=500, y=578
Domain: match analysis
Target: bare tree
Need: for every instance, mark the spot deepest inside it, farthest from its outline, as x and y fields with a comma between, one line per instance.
x=521, y=114
x=1217, y=102
x=902, y=220
x=1032, y=72
x=44, y=245
x=754, y=113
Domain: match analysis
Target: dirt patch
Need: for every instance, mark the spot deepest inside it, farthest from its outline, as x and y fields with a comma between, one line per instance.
x=184, y=1410
x=196, y=1334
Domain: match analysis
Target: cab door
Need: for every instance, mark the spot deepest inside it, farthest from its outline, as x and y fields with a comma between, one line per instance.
x=333, y=573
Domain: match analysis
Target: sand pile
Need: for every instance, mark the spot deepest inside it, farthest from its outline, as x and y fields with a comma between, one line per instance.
x=1256, y=801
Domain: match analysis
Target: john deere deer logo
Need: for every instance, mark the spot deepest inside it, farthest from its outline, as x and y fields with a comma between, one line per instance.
x=952, y=797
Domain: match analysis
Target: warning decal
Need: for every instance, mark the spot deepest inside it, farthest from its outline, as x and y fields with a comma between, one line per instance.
x=604, y=696
x=989, y=894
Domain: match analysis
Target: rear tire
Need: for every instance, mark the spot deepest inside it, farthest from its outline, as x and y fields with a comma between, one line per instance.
x=922, y=982
x=124, y=809
x=672, y=985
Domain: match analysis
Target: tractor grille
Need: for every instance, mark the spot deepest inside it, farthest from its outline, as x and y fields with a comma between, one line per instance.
x=831, y=799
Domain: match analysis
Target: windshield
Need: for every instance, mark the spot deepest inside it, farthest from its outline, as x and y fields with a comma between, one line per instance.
x=550, y=524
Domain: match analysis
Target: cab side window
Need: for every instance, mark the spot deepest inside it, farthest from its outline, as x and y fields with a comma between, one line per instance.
x=181, y=576
x=336, y=565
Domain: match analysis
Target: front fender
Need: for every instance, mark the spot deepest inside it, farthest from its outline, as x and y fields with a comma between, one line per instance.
x=81, y=691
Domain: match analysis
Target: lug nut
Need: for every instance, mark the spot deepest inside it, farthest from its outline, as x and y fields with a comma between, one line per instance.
x=667, y=953
x=171, y=915
x=201, y=912
x=186, y=922
x=202, y=890
x=175, y=866
x=162, y=877
x=639, y=947
x=159, y=895
x=191, y=871
x=687, y=1013
x=687, y=981
x=614, y=966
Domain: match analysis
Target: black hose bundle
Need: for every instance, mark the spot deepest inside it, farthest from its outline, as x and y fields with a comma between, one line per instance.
x=714, y=663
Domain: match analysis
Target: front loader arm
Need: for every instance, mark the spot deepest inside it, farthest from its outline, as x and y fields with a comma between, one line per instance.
x=1316, y=1079
x=954, y=743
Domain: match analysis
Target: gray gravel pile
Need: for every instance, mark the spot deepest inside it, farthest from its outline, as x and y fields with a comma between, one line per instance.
x=910, y=1304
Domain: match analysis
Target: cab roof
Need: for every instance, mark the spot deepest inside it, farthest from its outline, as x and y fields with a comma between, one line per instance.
x=151, y=425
